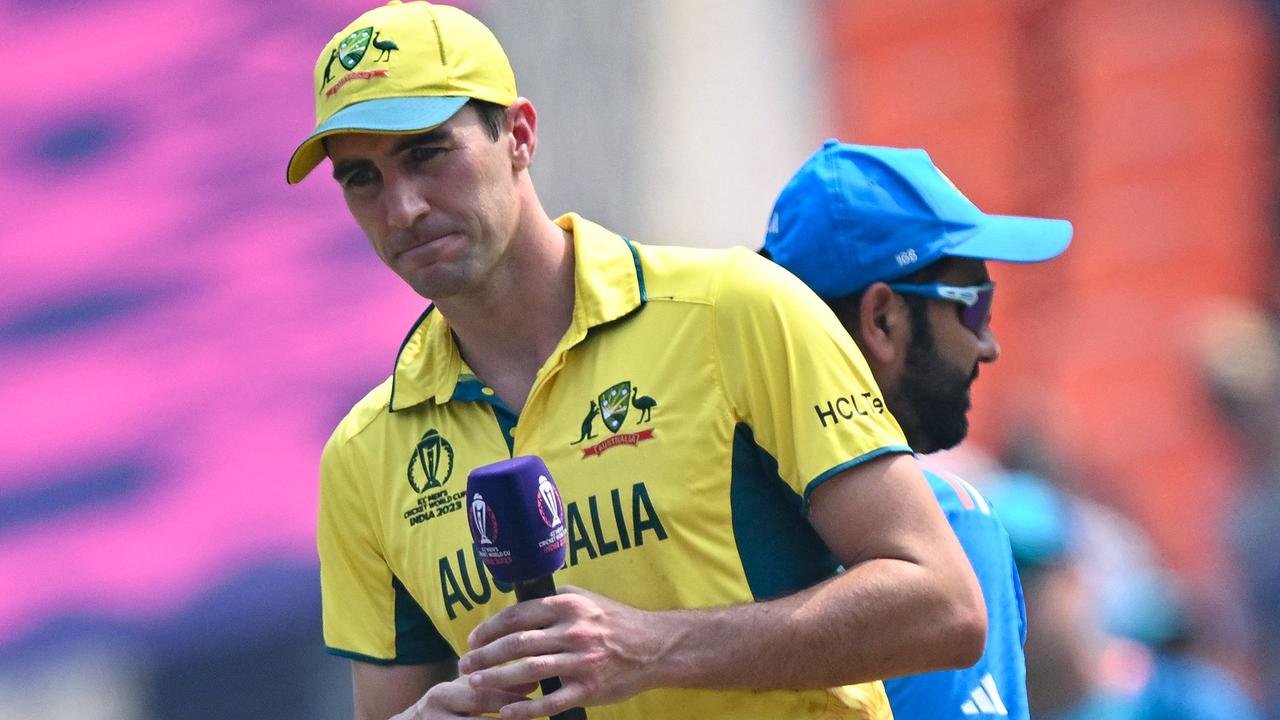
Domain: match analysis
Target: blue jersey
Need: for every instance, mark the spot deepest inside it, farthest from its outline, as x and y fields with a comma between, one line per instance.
x=996, y=686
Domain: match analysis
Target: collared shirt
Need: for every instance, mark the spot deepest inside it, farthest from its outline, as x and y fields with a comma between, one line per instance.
x=695, y=402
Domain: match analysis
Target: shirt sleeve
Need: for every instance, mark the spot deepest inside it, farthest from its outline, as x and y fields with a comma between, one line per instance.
x=997, y=683
x=795, y=376
x=367, y=612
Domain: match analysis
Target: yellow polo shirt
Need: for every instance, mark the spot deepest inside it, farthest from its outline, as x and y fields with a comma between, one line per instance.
x=697, y=399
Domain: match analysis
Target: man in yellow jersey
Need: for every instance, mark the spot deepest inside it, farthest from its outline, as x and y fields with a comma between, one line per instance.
x=718, y=441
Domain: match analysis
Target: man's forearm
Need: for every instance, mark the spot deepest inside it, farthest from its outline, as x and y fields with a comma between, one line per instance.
x=908, y=603
x=882, y=618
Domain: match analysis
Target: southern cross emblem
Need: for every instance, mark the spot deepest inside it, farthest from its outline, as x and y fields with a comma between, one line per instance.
x=611, y=406
x=614, y=403
x=351, y=49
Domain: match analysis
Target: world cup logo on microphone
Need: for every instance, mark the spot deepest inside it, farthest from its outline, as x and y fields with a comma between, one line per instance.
x=482, y=520
x=549, y=506
x=517, y=518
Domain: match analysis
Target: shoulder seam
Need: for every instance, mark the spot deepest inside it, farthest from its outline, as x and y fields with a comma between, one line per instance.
x=383, y=408
x=713, y=301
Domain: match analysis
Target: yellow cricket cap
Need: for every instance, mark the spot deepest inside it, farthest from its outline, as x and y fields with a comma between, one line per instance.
x=403, y=67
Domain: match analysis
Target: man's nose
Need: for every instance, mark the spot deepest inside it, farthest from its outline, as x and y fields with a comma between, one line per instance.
x=988, y=346
x=405, y=204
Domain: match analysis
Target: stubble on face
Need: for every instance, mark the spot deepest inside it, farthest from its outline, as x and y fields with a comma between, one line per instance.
x=934, y=393
x=471, y=225
x=441, y=207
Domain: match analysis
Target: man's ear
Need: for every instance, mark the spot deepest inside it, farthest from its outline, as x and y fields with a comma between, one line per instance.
x=883, y=325
x=522, y=120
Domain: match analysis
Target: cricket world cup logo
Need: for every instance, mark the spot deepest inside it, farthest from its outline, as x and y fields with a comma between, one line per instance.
x=431, y=465
x=483, y=520
x=549, y=506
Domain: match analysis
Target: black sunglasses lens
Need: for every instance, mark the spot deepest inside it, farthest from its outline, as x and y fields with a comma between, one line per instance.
x=975, y=317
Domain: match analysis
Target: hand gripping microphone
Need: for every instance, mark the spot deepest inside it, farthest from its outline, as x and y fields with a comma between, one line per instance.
x=517, y=525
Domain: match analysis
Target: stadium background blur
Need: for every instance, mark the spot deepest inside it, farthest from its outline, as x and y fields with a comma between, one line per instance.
x=179, y=331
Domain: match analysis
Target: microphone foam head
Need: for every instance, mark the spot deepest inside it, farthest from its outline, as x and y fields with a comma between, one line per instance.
x=516, y=518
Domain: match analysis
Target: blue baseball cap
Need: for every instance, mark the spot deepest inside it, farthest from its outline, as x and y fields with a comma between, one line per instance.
x=857, y=214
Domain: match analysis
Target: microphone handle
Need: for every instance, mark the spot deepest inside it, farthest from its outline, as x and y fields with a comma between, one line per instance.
x=544, y=586
x=539, y=588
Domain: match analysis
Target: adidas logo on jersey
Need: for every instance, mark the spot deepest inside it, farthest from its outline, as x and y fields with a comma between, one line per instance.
x=985, y=699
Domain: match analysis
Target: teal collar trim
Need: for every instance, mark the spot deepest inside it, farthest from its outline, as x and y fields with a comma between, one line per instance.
x=635, y=258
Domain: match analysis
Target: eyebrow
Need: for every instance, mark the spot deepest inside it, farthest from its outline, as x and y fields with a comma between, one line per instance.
x=436, y=134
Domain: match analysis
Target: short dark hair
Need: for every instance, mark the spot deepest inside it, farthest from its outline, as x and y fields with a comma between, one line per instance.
x=492, y=115
x=916, y=304
x=847, y=305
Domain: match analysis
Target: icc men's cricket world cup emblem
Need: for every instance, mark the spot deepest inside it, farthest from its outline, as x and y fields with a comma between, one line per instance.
x=548, y=502
x=480, y=519
x=431, y=464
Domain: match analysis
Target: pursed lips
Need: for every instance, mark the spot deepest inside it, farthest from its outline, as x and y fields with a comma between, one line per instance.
x=419, y=240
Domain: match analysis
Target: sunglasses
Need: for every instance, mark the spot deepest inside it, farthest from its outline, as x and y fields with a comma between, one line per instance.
x=975, y=300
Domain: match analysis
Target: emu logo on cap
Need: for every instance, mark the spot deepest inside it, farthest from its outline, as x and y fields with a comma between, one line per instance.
x=351, y=49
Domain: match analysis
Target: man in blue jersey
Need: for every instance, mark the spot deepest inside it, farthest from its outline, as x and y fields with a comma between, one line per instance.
x=899, y=254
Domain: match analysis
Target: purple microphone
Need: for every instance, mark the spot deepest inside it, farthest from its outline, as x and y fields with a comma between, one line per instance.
x=517, y=524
